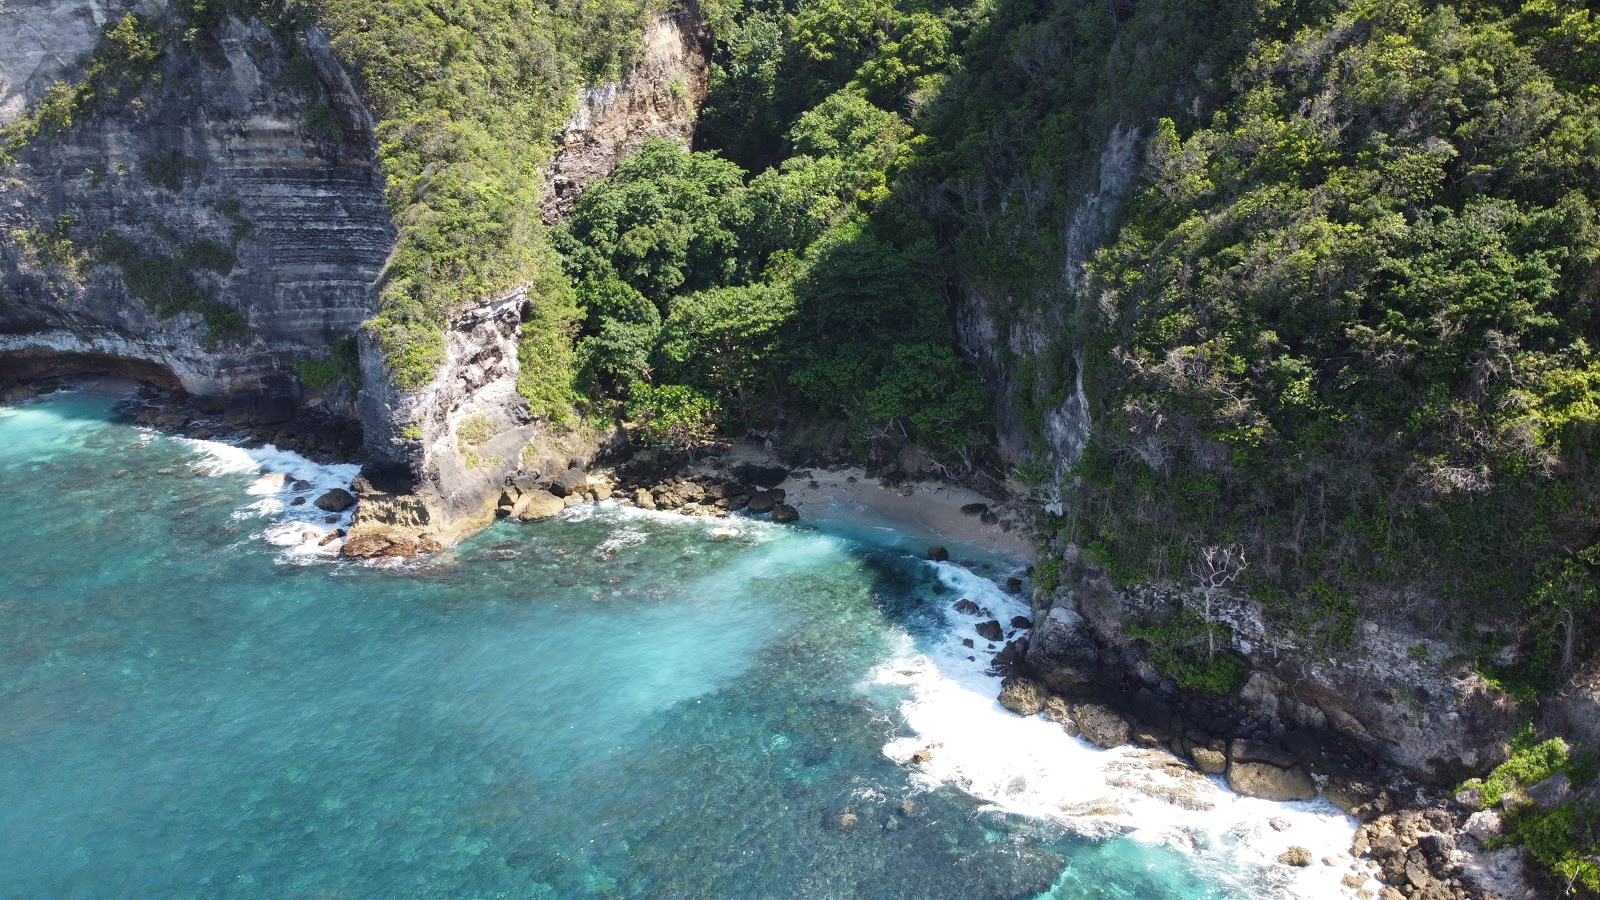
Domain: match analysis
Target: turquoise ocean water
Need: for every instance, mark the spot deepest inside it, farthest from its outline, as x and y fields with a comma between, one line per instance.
x=613, y=705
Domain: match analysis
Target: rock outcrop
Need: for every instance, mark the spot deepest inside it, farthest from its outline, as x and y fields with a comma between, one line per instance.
x=659, y=99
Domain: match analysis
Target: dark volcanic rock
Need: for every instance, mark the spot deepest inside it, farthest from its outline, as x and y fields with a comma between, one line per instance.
x=761, y=502
x=762, y=476
x=337, y=500
x=1063, y=650
x=966, y=606
x=990, y=630
x=1021, y=622
x=938, y=554
x=784, y=513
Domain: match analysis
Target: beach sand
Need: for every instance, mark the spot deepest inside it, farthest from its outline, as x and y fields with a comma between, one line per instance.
x=931, y=507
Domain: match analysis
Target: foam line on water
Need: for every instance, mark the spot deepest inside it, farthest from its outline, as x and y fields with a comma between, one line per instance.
x=1032, y=767
x=298, y=530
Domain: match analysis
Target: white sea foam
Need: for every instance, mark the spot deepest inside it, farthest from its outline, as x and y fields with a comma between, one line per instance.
x=299, y=530
x=1032, y=767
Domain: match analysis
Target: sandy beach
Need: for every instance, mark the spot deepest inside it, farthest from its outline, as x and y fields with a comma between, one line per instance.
x=932, y=507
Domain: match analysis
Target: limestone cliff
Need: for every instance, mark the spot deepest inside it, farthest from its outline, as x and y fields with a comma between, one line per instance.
x=220, y=224
x=453, y=445
x=206, y=192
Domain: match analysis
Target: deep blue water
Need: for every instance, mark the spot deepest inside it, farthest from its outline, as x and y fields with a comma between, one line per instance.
x=615, y=706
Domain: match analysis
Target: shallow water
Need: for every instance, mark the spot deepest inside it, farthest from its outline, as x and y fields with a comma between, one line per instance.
x=193, y=702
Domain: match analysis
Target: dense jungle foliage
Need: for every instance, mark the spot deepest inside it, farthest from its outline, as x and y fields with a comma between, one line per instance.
x=469, y=96
x=1343, y=327
x=776, y=274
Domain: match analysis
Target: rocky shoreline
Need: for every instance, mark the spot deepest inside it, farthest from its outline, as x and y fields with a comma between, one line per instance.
x=1416, y=839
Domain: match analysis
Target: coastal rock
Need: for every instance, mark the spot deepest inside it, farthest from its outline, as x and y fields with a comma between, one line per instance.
x=387, y=542
x=784, y=513
x=1022, y=622
x=569, y=483
x=643, y=500
x=1295, y=856
x=1248, y=751
x=966, y=606
x=938, y=554
x=1484, y=825
x=536, y=505
x=762, y=476
x=761, y=502
x=1101, y=725
x=1208, y=761
x=337, y=500
x=990, y=630
x=1270, y=782
x=1062, y=648
x=1022, y=695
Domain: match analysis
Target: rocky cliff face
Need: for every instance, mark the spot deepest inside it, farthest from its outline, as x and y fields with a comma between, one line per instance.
x=1025, y=347
x=660, y=99
x=208, y=189
x=227, y=220
x=451, y=447
x=1391, y=691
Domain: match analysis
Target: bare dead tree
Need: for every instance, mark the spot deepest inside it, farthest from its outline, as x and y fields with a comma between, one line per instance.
x=1215, y=569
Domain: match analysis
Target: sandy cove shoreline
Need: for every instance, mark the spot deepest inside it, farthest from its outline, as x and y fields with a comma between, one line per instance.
x=932, y=507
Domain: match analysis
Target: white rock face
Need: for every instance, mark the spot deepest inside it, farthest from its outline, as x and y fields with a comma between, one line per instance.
x=41, y=38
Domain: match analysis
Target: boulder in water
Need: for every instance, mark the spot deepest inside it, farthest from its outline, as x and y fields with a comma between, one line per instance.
x=1295, y=856
x=536, y=505
x=1269, y=782
x=571, y=482
x=337, y=500
x=761, y=501
x=938, y=554
x=1208, y=761
x=784, y=513
x=1022, y=695
x=990, y=630
x=1021, y=622
x=966, y=606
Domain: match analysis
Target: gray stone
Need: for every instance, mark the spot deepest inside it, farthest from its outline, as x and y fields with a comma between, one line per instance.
x=990, y=630
x=1062, y=650
x=1484, y=825
x=784, y=513
x=569, y=483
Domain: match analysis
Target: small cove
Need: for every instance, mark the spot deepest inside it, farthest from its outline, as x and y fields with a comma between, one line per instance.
x=614, y=704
